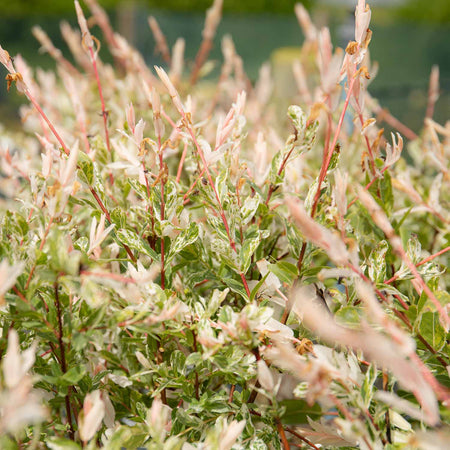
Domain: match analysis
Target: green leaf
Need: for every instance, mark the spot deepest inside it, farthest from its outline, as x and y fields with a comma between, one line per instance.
x=249, y=209
x=118, y=217
x=368, y=384
x=73, y=375
x=349, y=316
x=221, y=185
x=138, y=188
x=94, y=318
x=57, y=443
x=387, y=193
x=275, y=166
x=222, y=248
x=298, y=117
x=377, y=262
x=258, y=286
x=135, y=242
x=249, y=247
x=431, y=329
x=236, y=286
x=284, y=271
x=216, y=300
x=294, y=239
x=298, y=411
x=86, y=172
x=82, y=244
x=185, y=238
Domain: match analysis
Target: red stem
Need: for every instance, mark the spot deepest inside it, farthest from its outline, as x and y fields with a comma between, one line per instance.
x=47, y=120
x=180, y=165
x=191, y=188
x=221, y=211
x=63, y=361
x=280, y=170
x=161, y=166
x=283, y=437
x=100, y=93
x=302, y=438
x=421, y=263
x=329, y=154
x=441, y=310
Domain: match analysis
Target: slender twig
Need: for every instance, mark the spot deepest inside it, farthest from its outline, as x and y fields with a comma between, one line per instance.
x=283, y=437
x=109, y=275
x=272, y=187
x=47, y=120
x=221, y=210
x=302, y=438
x=329, y=154
x=162, y=208
x=180, y=165
x=300, y=258
x=103, y=22
x=230, y=396
x=367, y=186
x=192, y=186
x=100, y=93
x=196, y=382
x=67, y=152
x=63, y=360
x=421, y=263
x=442, y=392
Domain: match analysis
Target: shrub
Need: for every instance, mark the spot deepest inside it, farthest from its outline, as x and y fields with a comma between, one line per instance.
x=181, y=267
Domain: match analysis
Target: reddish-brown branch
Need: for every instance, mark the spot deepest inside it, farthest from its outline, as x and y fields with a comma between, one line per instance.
x=47, y=120
x=196, y=382
x=232, y=389
x=100, y=93
x=328, y=154
x=421, y=263
x=221, y=210
x=280, y=171
x=162, y=206
x=367, y=186
x=283, y=437
x=109, y=275
x=191, y=188
x=180, y=165
x=63, y=360
x=302, y=438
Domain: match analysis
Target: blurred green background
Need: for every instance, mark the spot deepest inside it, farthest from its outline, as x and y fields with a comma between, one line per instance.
x=409, y=36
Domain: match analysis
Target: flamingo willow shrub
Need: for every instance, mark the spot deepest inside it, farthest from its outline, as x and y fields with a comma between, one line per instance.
x=184, y=267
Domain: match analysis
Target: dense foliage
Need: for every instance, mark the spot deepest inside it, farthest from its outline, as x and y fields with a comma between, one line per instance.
x=183, y=267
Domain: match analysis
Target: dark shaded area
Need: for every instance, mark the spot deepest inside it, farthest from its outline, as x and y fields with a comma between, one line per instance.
x=21, y=8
